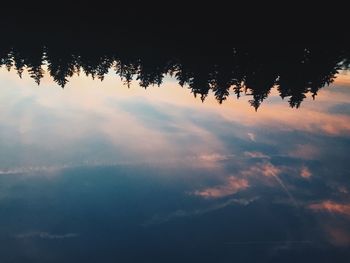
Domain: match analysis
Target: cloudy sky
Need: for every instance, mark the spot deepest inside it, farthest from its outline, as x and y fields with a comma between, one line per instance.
x=98, y=165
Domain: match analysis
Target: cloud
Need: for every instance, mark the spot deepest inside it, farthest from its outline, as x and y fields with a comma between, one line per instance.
x=331, y=207
x=286, y=244
x=46, y=235
x=256, y=155
x=231, y=186
x=342, y=189
x=251, y=136
x=264, y=168
x=33, y=169
x=215, y=157
x=269, y=170
x=341, y=108
x=158, y=219
x=53, y=169
x=343, y=78
x=305, y=172
x=234, y=184
x=338, y=236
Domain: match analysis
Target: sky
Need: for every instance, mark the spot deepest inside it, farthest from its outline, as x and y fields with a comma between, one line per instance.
x=99, y=171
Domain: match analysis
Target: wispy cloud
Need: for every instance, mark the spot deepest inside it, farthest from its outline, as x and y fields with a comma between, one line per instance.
x=215, y=157
x=331, y=207
x=261, y=171
x=46, y=235
x=342, y=189
x=251, y=136
x=231, y=186
x=256, y=155
x=33, y=169
x=158, y=219
x=264, y=243
x=268, y=170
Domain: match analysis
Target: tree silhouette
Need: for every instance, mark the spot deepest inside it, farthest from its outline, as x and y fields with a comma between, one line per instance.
x=219, y=69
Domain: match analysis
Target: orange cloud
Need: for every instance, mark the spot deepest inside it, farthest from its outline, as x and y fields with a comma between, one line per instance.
x=266, y=168
x=305, y=172
x=269, y=169
x=343, y=78
x=232, y=185
x=331, y=207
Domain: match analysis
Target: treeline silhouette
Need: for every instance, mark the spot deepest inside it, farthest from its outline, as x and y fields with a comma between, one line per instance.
x=217, y=67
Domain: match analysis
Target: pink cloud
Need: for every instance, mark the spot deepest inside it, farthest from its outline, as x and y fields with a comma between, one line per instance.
x=331, y=207
x=215, y=157
x=231, y=186
x=305, y=172
x=268, y=169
